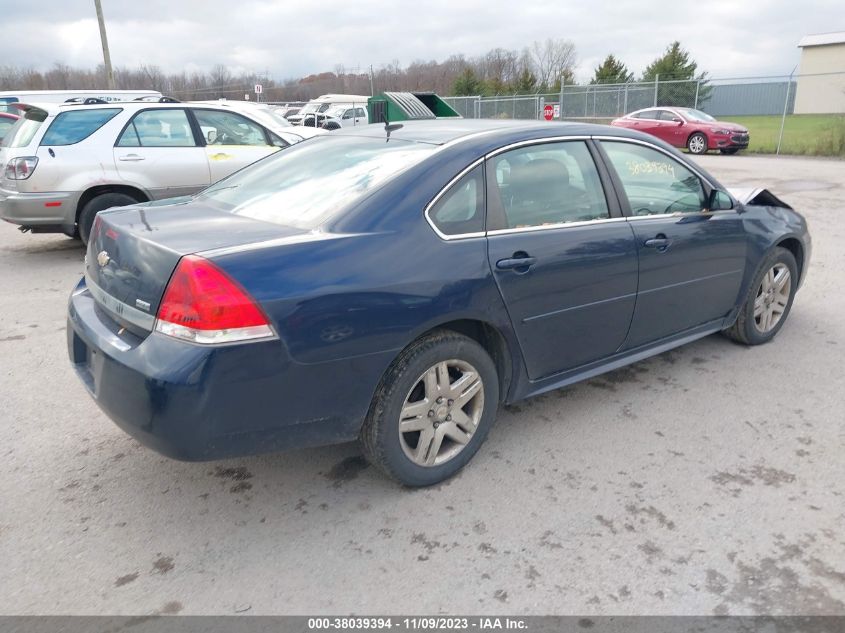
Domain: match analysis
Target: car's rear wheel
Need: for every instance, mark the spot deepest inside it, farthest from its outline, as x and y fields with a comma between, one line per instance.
x=697, y=143
x=729, y=150
x=768, y=301
x=95, y=205
x=432, y=410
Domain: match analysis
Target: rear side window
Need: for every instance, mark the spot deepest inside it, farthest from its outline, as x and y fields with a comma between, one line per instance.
x=545, y=184
x=72, y=127
x=158, y=128
x=461, y=209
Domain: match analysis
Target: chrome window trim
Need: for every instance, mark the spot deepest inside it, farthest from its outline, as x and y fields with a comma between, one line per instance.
x=491, y=154
x=678, y=214
x=535, y=141
x=549, y=227
x=118, y=309
x=442, y=193
x=561, y=225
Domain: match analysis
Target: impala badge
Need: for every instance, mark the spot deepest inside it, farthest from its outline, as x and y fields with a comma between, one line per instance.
x=103, y=258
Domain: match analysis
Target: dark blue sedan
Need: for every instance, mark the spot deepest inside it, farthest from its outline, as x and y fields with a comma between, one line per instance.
x=398, y=285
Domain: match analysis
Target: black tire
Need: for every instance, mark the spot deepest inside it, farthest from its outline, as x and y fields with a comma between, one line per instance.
x=381, y=439
x=331, y=125
x=697, y=143
x=745, y=329
x=95, y=205
x=729, y=151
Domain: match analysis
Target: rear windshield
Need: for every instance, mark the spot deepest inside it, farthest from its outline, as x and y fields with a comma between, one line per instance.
x=24, y=130
x=77, y=125
x=310, y=183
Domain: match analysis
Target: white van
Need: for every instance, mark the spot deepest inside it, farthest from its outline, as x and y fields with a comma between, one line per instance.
x=61, y=96
x=309, y=114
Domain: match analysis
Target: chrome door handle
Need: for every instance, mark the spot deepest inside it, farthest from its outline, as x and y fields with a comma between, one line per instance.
x=130, y=158
x=659, y=241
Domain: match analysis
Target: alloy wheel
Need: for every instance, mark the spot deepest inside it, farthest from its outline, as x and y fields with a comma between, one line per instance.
x=697, y=144
x=441, y=412
x=772, y=298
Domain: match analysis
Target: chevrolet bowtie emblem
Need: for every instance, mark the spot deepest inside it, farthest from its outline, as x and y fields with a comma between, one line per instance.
x=103, y=258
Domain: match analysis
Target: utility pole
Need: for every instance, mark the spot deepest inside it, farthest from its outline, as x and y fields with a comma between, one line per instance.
x=105, y=42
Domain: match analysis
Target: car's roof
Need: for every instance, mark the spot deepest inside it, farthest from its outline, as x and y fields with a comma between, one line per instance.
x=442, y=131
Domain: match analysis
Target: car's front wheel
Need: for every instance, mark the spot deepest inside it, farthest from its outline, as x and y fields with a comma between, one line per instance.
x=768, y=301
x=697, y=143
x=432, y=410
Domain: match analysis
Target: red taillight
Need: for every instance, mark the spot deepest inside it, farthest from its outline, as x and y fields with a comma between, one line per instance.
x=204, y=305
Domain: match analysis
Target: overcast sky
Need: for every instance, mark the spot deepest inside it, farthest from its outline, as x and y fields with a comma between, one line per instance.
x=728, y=38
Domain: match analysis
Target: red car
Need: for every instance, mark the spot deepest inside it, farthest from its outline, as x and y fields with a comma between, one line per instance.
x=685, y=127
x=6, y=122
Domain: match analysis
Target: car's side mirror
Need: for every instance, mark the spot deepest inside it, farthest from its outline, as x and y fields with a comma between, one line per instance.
x=678, y=120
x=719, y=201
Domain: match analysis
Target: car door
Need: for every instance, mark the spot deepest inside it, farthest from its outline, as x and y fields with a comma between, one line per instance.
x=647, y=121
x=672, y=128
x=564, y=259
x=232, y=141
x=157, y=151
x=691, y=260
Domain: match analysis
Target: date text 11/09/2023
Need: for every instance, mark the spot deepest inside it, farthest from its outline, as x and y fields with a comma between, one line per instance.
x=416, y=623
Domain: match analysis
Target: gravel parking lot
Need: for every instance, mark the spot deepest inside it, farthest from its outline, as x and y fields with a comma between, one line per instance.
x=709, y=479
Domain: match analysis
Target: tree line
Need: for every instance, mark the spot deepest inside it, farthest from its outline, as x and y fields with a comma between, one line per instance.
x=539, y=68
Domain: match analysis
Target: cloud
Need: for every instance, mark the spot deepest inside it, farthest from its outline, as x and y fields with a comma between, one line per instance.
x=292, y=39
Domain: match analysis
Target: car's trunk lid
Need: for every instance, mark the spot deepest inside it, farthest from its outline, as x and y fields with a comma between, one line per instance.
x=133, y=251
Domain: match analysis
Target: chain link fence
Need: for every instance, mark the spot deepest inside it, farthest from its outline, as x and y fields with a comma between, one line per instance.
x=799, y=114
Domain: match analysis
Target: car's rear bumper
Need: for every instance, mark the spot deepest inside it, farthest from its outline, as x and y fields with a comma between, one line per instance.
x=194, y=402
x=55, y=209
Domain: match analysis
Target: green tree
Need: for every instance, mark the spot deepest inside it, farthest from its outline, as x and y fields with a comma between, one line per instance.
x=468, y=84
x=526, y=82
x=673, y=66
x=611, y=71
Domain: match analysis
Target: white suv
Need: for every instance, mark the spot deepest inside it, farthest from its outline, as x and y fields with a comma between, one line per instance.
x=63, y=163
x=345, y=115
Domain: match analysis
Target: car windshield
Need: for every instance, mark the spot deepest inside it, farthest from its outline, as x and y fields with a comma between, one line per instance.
x=336, y=111
x=697, y=115
x=310, y=183
x=270, y=117
x=310, y=107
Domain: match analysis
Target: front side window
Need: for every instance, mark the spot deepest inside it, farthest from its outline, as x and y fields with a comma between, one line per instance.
x=646, y=114
x=158, y=128
x=228, y=128
x=654, y=182
x=461, y=209
x=667, y=115
x=69, y=128
x=545, y=184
